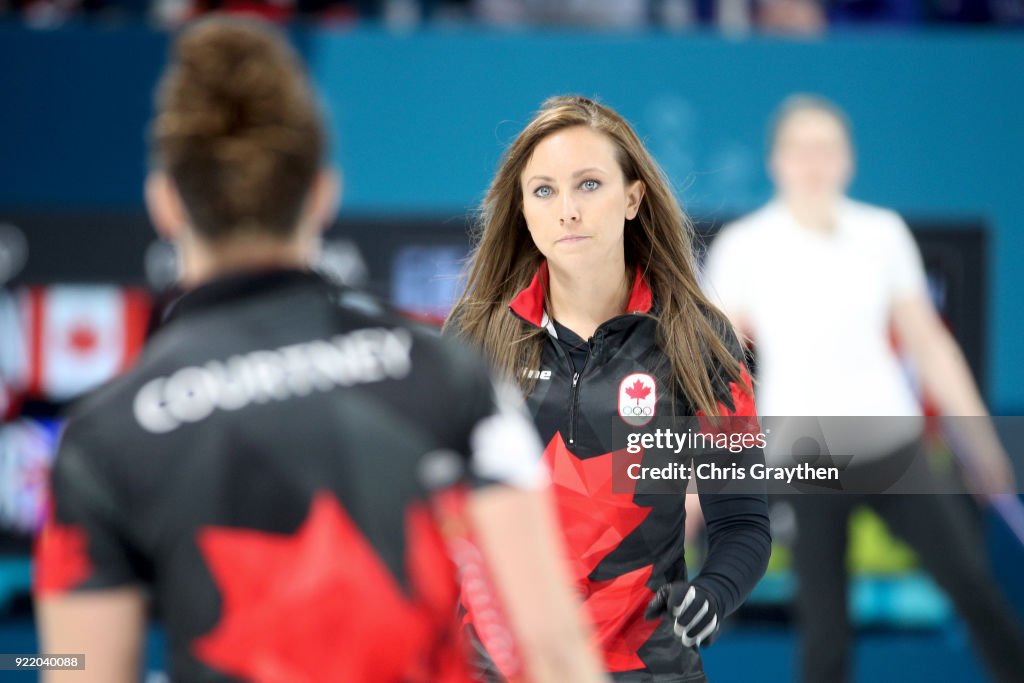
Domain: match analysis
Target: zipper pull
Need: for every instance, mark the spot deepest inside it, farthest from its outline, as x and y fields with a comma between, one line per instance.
x=575, y=379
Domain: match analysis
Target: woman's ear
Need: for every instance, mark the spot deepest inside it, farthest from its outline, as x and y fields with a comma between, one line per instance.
x=324, y=199
x=634, y=195
x=166, y=210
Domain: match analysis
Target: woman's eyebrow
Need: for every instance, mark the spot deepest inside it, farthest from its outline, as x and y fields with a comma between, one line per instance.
x=577, y=174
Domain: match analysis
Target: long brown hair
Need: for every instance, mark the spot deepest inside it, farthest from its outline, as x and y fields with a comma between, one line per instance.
x=237, y=128
x=659, y=240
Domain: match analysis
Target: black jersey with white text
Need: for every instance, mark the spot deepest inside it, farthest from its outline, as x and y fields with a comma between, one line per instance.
x=274, y=473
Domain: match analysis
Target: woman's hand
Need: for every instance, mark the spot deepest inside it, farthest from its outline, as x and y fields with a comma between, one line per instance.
x=694, y=611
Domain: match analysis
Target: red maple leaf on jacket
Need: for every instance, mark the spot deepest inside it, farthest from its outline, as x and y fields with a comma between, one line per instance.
x=594, y=522
x=638, y=390
x=741, y=418
x=320, y=605
x=61, y=557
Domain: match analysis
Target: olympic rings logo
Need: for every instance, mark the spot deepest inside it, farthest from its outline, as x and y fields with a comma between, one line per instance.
x=637, y=411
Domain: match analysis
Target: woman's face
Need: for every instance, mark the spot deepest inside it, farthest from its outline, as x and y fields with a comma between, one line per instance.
x=576, y=200
x=811, y=160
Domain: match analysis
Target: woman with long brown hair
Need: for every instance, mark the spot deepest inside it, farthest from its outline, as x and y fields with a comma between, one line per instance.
x=583, y=286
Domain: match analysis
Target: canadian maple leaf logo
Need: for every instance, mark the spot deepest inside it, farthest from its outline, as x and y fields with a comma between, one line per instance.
x=82, y=338
x=594, y=522
x=638, y=390
x=313, y=605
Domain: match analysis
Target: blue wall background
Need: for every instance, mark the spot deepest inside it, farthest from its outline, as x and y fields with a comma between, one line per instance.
x=421, y=119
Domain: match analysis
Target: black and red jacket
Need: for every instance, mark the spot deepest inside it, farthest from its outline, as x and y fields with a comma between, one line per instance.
x=282, y=472
x=622, y=546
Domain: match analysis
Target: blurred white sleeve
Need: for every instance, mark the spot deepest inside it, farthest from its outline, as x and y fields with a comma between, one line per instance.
x=905, y=266
x=725, y=276
x=505, y=446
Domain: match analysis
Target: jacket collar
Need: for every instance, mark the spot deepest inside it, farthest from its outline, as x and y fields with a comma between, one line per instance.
x=529, y=303
x=237, y=286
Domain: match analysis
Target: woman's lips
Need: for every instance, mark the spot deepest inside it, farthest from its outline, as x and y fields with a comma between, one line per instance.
x=574, y=238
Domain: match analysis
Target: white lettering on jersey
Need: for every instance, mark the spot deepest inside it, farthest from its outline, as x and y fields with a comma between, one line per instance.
x=193, y=393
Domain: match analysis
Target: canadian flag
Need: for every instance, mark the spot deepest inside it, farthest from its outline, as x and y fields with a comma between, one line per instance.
x=81, y=336
x=12, y=355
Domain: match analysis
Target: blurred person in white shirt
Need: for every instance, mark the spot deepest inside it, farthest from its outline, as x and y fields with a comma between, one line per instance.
x=818, y=280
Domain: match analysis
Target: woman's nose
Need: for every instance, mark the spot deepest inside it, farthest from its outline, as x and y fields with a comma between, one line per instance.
x=570, y=211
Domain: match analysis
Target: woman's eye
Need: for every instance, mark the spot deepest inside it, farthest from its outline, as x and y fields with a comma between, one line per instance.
x=543, y=191
x=590, y=185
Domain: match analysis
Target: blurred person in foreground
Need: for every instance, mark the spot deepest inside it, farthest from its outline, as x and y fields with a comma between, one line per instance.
x=284, y=472
x=583, y=287
x=816, y=280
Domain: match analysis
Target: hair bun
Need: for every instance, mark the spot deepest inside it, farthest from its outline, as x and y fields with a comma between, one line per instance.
x=237, y=127
x=239, y=74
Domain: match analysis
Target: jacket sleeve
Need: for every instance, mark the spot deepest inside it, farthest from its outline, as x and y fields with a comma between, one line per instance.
x=83, y=545
x=739, y=535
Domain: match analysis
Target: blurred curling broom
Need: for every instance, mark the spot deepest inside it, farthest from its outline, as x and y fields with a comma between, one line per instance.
x=1008, y=506
x=1011, y=510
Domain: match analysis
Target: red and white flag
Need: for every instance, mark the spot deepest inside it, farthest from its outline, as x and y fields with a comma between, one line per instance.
x=13, y=362
x=81, y=336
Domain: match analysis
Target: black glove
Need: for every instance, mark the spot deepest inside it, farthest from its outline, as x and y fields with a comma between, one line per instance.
x=694, y=610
